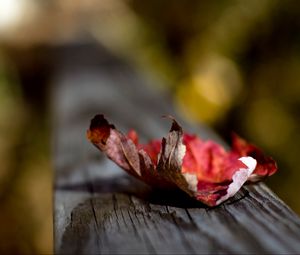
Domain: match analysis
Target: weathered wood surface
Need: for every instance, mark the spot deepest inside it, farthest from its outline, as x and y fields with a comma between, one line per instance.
x=98, y=209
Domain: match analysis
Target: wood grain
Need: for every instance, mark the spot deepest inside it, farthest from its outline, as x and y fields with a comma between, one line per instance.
x=100, y=210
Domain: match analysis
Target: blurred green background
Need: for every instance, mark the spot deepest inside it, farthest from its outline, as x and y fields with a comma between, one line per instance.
x=234, y=65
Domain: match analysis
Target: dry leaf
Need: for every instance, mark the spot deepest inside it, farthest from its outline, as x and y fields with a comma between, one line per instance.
x=203, y=169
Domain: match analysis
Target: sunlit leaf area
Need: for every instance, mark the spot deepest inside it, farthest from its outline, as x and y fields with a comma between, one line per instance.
x=232, y=65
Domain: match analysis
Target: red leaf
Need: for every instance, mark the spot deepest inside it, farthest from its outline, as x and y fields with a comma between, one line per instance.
x=203, y=169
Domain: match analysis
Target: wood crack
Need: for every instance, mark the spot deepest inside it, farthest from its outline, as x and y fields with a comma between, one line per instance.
x=184, y=239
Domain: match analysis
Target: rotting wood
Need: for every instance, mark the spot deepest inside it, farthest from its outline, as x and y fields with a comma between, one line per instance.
x=98, y=209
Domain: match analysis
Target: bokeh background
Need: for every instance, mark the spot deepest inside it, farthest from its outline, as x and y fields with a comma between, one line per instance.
x=233, y=65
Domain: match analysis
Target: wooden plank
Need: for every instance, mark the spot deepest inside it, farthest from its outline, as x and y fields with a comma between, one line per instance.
x=99, y=209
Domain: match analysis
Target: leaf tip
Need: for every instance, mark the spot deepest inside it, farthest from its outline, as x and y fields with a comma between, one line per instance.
x=99, y=130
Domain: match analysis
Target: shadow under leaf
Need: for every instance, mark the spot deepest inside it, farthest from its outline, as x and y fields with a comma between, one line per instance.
x=128, y=185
